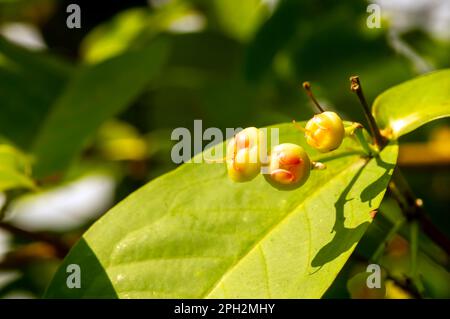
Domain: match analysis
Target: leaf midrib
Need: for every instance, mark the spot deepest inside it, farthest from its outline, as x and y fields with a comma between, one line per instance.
x=275, y=226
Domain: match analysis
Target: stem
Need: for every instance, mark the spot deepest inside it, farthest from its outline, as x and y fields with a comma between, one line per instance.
x=307, y=87
x=413, y=210
x=434, y=233
x=414, y=246
x=356, y=130
x=414, y=238
x=299, y=127
x=378, y=139
x=360, y=136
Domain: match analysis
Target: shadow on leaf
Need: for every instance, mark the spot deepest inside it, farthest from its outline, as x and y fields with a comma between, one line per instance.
x=344, y=238
x=377, y=187
x=95, y=282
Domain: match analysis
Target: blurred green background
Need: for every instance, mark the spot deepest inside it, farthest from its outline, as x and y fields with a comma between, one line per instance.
x=230, y=63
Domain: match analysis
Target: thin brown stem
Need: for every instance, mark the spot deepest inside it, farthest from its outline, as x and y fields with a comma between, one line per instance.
x=307, y=87
x=355, y=86
x=434, y=233
x=413, y=210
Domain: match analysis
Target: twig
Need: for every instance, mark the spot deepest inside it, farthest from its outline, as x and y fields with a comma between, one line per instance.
x=413, y=209
x=414, y=248
x=378, y=139
x=434, y=233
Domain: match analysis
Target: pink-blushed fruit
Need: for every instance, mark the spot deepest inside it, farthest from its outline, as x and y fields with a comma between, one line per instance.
x=289, y=166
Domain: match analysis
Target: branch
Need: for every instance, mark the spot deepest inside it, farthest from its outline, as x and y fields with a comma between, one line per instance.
x=413, y=209
x=434, y=233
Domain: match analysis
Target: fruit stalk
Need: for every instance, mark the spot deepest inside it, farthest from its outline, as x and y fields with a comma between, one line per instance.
x=378, y=139
x=413, y=209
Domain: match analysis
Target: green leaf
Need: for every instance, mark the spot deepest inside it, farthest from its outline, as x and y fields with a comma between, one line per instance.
x=271, y=37
x=96, y=94
x=131, y=28
x=115, y=36
x=240, y=24
x=14, y=169
x=29, y=83
x=193, y=233
x=407, y=106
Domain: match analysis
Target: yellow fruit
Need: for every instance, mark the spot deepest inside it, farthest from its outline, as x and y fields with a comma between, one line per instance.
x=325, y=131
x=244, y=154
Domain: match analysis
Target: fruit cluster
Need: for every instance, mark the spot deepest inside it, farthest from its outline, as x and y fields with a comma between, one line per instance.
x=288, y=165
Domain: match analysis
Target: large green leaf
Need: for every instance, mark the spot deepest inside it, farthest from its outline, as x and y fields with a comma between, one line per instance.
x=29, y=83
x=407, y=106
x=95, y=94
x=193, y=233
